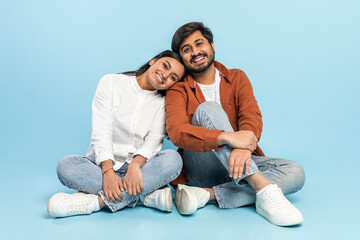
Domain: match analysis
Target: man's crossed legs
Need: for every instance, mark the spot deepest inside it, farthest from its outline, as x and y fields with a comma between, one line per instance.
x=266, y=182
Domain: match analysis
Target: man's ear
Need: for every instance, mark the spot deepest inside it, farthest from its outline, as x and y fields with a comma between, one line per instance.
x=152, y=61
x=212, y=45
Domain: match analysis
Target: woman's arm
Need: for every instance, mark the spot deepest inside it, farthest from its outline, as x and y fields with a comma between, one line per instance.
x=112, y=183
x=153, y=140
x=102, y=121
x=101, y=138
x=133, y=181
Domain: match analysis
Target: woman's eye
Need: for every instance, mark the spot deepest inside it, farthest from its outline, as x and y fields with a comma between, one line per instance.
x=173, y=78
x=165, y=66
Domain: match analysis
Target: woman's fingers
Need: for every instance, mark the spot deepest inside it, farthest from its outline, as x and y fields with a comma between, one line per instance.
x=121, y=185
x=138, y=190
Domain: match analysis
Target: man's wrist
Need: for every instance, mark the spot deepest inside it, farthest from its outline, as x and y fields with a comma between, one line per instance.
x=222, y=138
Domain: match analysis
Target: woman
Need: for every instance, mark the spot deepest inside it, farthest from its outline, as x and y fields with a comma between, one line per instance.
x=123, y=164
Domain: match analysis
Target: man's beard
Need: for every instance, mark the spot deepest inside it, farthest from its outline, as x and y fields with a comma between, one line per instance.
x=203, y=68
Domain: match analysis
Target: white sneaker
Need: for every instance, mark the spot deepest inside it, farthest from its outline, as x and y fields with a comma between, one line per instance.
x=272, y=204
x=64, y=205
x=160, y=199
x=189, y=199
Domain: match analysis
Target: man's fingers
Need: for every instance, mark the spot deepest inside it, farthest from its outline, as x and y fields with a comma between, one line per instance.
x=241, y=168
x=247, y=169
x=236, y=169
x=231, y=166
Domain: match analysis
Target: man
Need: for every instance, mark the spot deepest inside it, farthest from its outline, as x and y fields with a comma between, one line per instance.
x=213, y=117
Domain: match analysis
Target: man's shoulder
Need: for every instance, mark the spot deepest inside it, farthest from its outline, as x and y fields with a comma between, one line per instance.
x=179, y=86
x=230, y=73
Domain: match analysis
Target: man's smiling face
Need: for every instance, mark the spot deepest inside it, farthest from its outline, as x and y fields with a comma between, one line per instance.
x=197, y=53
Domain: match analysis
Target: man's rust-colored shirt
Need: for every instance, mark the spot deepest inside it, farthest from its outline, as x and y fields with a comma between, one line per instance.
x=237, y=99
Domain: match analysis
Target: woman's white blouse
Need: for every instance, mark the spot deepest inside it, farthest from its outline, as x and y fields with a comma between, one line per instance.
x=126, y=120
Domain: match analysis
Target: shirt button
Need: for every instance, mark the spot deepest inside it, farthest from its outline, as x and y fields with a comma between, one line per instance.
x=213, y=150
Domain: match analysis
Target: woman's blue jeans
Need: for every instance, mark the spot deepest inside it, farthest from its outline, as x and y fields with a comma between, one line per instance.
x=211, y=170
x=81, y=173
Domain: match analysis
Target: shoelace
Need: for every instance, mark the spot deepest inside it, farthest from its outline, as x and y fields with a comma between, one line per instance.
x=80, y=206
x=278, y=198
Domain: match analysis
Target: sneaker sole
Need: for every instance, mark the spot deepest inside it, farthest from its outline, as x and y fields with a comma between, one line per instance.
x=168, y=200
x=277, y=221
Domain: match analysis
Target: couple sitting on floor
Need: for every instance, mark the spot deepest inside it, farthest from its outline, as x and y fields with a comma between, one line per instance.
x=210, y=113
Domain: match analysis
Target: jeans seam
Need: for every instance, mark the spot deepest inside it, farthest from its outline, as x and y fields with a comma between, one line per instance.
x=218, y=197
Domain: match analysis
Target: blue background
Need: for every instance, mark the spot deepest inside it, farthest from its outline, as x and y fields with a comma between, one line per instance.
x=302, y=58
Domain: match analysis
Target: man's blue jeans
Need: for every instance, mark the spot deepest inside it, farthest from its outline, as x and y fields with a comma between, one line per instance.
x=211, y=170
x=82, y=173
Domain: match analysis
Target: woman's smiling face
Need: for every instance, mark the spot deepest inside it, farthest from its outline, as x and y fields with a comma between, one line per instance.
x=164, y=72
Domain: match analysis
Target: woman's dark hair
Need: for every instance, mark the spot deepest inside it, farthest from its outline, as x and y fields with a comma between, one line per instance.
x=146, y=66
x=186, y=30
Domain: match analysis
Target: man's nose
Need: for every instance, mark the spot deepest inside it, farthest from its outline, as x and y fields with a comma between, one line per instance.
x=195, y=52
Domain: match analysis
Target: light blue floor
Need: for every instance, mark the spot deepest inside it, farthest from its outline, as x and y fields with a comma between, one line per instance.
x=327, y=202
x=302, y=58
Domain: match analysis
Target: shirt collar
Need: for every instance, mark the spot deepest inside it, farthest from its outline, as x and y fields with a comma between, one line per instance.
x=137, y=89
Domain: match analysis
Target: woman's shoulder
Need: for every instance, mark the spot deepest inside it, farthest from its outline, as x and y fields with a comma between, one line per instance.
x=115, y=79
x=117, y=76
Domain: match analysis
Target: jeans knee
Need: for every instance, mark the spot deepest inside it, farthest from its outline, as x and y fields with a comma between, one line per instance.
x=298, y=176
x=62, y=168
x=208, y=107
x=172, y=162
x=301, y=176
x=212, y=116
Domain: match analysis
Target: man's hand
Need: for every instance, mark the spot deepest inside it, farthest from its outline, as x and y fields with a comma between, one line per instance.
x=133, y=180
x=240, y=139
x=112, y=186
x=238, y=160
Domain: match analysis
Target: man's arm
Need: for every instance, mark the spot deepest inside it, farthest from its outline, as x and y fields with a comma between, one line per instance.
x=249, y=114
x=181, y=132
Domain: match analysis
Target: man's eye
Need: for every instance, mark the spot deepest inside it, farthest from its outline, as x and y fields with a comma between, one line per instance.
x=186, y=50
x=199, y=44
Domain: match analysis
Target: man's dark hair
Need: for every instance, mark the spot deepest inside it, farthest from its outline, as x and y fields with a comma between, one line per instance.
x=186, y=30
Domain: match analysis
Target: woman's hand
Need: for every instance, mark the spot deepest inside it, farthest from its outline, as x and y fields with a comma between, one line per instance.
x=112, y=183
x=112, y=186
x=133, y=180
